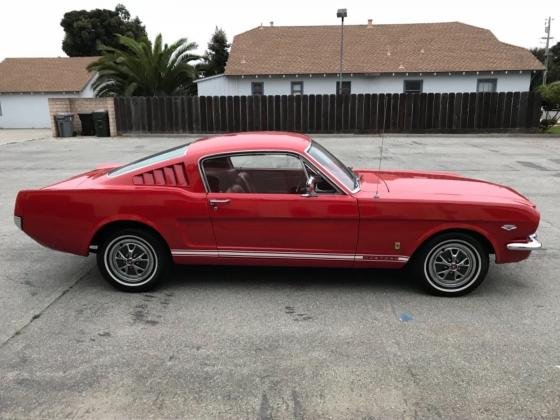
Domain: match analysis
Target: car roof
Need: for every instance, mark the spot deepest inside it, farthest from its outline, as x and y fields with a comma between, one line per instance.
x=251, y=141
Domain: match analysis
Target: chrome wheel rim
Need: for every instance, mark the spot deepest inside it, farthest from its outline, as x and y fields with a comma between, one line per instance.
x=131, y=260
x=452, y=265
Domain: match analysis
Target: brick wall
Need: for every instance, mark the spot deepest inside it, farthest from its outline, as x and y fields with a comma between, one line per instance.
x=79, y=105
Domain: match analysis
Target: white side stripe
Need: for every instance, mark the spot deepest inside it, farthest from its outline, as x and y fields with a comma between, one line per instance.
x=290, y=255
x=189, y=253
x=287, y=255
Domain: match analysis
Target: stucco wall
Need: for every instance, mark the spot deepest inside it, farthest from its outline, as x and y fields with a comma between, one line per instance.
x=442, y=83
x=26, y=111
x=32, y=110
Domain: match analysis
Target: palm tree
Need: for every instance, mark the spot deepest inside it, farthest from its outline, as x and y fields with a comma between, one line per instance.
x=139, y=68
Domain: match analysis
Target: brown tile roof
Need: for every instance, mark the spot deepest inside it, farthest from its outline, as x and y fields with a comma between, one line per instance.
x=62, y=74
x=423, y=47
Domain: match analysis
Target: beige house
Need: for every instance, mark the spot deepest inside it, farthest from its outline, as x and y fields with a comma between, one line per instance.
x=395, y=58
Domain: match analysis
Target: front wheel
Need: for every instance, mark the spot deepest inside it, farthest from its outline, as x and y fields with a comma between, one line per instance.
x=133, y=260
x=451, y=264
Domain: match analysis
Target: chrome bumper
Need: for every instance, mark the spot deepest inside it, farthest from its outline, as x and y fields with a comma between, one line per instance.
x=532, y=245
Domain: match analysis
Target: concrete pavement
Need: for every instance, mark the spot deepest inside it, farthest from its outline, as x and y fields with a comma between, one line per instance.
x=24, y=134
x=217, y=342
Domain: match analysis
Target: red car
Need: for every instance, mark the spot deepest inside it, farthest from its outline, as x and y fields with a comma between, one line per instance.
x=278, y=199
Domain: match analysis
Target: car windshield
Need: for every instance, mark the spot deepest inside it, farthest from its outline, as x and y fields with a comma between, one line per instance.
x=333, y=165
x=150, y=160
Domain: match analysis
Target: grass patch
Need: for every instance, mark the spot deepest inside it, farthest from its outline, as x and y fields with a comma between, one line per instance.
x=553, y=130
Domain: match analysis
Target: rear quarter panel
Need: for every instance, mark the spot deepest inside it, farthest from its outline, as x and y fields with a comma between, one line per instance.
x=66, y=220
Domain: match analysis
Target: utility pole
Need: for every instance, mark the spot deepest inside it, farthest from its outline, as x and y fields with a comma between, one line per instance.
x=548, y=38
x=341, y=13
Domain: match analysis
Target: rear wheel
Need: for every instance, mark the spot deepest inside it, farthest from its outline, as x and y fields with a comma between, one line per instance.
x=133, y=260
x=451, y=264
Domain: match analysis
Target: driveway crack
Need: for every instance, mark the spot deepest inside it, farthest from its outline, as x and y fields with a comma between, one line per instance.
x=51, y=303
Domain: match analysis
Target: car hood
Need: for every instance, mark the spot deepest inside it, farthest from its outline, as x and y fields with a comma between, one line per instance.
x=440, y=185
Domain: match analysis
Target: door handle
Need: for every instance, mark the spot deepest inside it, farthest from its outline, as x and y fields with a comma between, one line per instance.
x=214, y=202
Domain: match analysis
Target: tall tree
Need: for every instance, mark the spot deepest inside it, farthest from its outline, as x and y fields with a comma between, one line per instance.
x=140, y=68
x=553, y=65
x=217, y=54
x=84, y=30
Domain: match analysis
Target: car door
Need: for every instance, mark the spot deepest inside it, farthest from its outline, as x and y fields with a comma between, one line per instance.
x=259, y=210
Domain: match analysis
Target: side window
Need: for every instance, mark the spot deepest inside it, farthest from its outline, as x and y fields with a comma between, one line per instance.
x=296, y=88
x=263, y=173
x=486, y=85
x=266, y=161
x=257, y=88
x=346, y=88
x=323, y=186
x=413, y=86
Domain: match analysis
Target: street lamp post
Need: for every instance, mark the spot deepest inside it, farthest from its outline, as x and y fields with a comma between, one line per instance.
x=341, y=13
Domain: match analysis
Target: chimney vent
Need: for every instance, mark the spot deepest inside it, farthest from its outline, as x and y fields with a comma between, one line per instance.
x=370, y=23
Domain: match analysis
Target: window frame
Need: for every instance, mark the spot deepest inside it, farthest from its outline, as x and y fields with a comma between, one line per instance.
x=339, y=87
x=413, y=80
x=356, y=179
x=253, y=85
x=147, y=161
x=493, y=80
x=305, y=163
x=296, y=82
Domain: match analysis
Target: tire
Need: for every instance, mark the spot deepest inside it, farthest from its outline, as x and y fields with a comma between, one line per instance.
x=133, y=260
x=451, y=264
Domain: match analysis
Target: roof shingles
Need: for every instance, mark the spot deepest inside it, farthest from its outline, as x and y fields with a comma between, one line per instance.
x=62, y=74
x=424, y=47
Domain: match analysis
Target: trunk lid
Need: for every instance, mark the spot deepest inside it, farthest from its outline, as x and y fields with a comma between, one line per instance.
x=83, y=178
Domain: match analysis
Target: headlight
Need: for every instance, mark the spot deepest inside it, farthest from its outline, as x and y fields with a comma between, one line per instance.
x=18, y=221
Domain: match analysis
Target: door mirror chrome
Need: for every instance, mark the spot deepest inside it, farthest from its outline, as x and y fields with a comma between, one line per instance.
x=311, y=186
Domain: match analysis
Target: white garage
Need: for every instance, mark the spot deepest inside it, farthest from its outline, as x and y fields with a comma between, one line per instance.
x=27, y=83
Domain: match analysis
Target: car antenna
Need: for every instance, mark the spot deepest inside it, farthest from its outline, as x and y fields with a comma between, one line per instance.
x=381, y=147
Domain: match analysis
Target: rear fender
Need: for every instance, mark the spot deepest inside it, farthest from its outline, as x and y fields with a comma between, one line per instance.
x=114, y=219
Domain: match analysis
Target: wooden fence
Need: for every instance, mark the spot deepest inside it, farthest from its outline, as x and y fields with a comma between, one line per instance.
x=363, y=113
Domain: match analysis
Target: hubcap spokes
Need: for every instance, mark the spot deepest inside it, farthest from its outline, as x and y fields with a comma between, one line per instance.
x=132, y=260
x=452, y=265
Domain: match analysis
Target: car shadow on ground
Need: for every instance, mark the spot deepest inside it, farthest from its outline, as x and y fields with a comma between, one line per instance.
x=292, y=277
x=499, y=281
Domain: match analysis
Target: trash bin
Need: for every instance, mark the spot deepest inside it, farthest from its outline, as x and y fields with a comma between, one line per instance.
x=86, y=118
x=65, y=124
x=101, y=123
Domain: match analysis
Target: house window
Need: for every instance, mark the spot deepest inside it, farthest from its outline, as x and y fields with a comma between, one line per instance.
x=486, y=85
x=257, y=88
x=297, y=88
x=413, y=86
x=346, y=88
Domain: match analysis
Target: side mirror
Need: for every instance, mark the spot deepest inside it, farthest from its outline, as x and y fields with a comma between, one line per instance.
x=311, y=186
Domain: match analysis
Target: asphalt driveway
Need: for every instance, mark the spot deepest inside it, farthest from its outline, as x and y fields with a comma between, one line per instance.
x=280, y=343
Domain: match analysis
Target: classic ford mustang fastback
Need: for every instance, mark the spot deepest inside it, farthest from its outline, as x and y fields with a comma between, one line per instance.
x=278, y=199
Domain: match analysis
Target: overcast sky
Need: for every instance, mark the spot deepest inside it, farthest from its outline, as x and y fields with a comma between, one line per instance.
x=32, y=28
